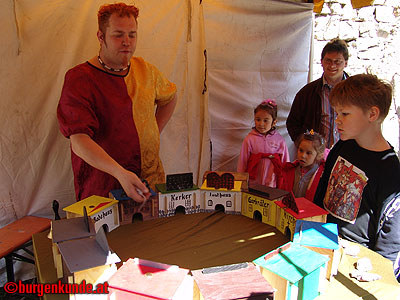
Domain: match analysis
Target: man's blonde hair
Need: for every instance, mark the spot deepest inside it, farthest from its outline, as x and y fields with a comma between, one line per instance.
x=120, y=9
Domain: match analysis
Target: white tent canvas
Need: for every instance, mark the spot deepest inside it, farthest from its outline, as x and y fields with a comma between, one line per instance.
x=42, y=40
x=257, y=50
x=254, y=50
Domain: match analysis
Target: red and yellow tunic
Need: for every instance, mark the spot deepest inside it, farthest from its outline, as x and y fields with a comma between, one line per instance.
x=117, y=112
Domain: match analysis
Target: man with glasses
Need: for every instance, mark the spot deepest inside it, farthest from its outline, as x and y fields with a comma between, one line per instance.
x=311, y=108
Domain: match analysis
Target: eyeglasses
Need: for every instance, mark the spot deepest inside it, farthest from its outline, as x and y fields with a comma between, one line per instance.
x=336, y=62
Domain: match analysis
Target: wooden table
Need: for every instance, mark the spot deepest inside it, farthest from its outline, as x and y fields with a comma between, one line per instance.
x=17, y=235
x=211, y=239
x=343, y=287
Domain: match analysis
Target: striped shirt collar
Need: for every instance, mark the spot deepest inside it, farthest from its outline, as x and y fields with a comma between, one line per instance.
x=325, y=82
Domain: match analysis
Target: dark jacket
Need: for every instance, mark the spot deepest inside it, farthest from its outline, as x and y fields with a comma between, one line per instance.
x=306, y=110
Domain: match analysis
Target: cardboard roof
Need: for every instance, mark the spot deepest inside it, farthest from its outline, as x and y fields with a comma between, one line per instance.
x=69, y=229
x=293, y=263
x=144, y=277
x=266, y=191
x=306, y=209
x=86, y=253
x=239, y=282
x=237, y=187
x=94, y=204
x=316, y=234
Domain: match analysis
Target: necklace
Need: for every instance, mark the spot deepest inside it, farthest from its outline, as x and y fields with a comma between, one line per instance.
x=109, y=68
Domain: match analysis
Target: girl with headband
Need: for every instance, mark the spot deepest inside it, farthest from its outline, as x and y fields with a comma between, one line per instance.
x=260, y=143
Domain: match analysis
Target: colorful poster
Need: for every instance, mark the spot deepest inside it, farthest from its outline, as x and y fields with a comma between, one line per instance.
x=344, y=192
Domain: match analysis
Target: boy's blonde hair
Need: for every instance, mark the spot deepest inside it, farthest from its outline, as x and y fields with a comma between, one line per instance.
x=364, y=91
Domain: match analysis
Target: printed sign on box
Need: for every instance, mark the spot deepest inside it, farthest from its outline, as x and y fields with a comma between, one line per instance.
x=171, y=201
x=230, y=201
x=103, y=211
x=253, y=205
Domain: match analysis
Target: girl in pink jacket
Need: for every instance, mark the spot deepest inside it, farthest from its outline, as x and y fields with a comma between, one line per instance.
x=261, y=142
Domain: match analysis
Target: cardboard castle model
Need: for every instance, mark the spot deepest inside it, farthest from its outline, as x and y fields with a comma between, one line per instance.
x=294, y=271
x=322, y=238
x=223, y=191
x=237, y=281
x=103, y=211
x=259, y=203
x=144, y=279
x=80, y=253
x=178, y=194
x=291, y=209
x=130, y=210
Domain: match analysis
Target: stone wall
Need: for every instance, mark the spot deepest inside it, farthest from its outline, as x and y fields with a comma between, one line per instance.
x=373, y=36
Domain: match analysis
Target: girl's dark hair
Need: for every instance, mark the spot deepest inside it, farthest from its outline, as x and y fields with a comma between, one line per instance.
x=317, y=140
x=270, y=107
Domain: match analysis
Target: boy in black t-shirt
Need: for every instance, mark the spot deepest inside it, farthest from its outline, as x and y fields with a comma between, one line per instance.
x=360, y=186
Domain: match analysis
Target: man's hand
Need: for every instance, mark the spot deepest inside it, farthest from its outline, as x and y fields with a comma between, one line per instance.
x=133, y=186
x=94, y=155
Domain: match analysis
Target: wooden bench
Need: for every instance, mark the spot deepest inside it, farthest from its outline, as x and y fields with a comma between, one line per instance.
x=18, y=235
